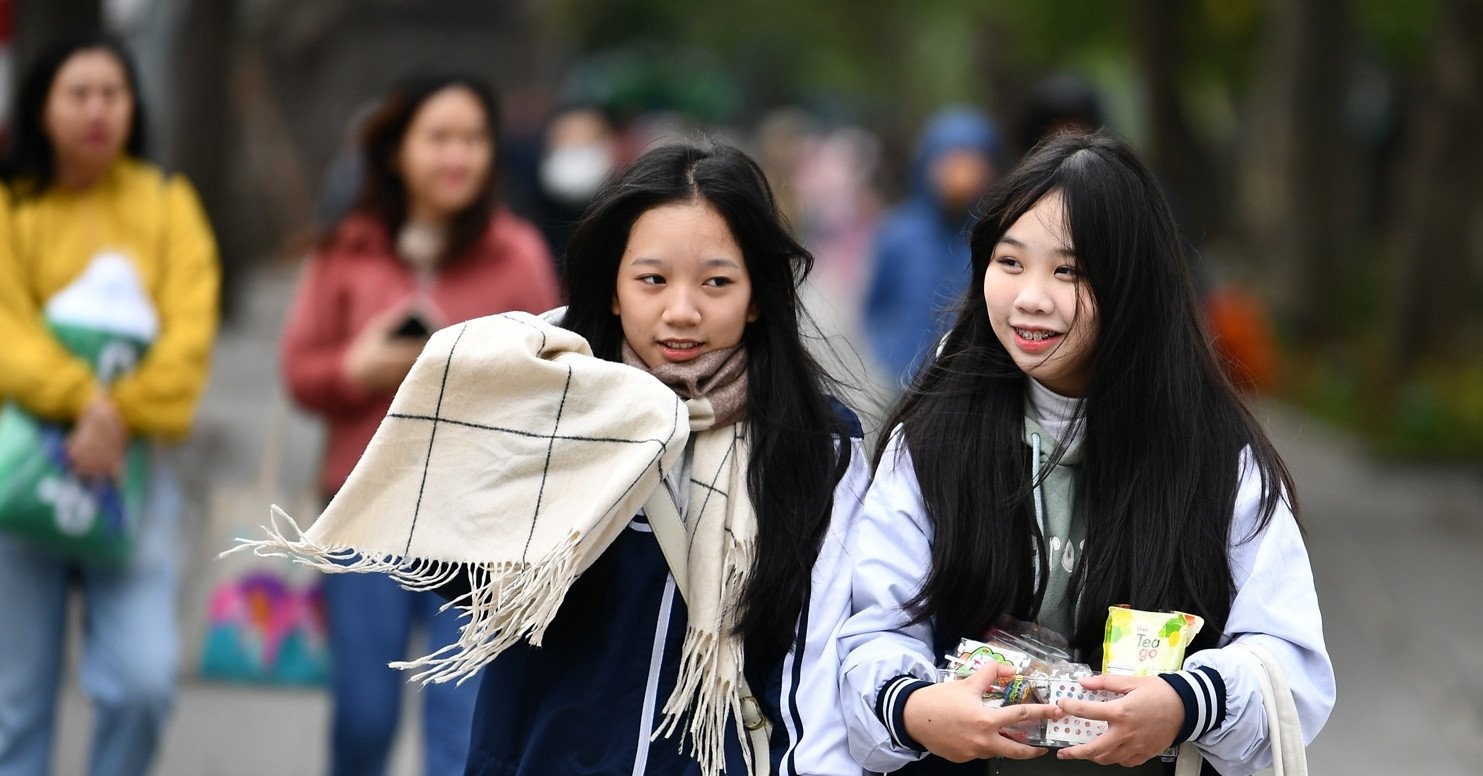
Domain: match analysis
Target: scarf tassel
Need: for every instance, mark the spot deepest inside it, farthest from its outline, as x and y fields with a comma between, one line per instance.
x=506, y=602
x=705, y=688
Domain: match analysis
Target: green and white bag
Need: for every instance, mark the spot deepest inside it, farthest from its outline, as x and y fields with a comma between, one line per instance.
x=106, y=318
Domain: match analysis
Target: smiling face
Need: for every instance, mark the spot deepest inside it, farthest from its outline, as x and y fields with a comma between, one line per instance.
x=1039, y=307
x=683, y=287
x=446, y=155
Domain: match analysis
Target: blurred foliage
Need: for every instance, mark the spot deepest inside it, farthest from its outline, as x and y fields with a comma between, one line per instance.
x=931, y=51
x=889, y=63
x=1399, y=32
x=1434, y=413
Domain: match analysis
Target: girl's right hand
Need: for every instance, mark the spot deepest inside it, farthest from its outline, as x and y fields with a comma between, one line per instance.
x=378, y=362
x=98, y=440
x=951, y=721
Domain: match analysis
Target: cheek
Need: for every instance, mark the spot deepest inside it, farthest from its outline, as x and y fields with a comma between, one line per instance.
x=997, y=297
x=414, y=163
x=55, y=121
x=122, y=114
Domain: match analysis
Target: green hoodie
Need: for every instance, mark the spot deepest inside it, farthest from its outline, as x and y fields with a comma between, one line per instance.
x=1065, y=536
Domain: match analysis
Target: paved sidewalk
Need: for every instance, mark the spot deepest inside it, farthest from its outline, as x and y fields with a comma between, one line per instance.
x=1396, y=552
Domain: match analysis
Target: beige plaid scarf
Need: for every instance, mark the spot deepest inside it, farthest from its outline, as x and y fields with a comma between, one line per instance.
x=502, y=458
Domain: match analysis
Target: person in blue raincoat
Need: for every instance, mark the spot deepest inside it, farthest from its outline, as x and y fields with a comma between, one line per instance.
x=921, y=250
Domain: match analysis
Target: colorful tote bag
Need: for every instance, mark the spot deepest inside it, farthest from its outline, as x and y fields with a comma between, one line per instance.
x=105, y=318
x=265, y=616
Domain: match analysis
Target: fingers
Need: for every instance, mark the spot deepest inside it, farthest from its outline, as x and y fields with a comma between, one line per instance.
x=1028, y=712
x=1016, y=751
x=989, y=675
x=1111, y=682
x=1088, y=709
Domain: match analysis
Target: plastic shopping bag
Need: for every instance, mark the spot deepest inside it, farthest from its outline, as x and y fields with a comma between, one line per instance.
x=105, y=318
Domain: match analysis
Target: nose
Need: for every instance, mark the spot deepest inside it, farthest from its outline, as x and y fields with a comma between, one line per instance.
x=1032, y=296
x=681, y=310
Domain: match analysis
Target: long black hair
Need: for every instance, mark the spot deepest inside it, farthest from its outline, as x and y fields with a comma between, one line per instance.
x=1164, y=430
x=799, y=443
x=30, y=158
x=383, y=193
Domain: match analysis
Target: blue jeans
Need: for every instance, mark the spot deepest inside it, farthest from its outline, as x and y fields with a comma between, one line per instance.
x=370, y=619
x=130, y=643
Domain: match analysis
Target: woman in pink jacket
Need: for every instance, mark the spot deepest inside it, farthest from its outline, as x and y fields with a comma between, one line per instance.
x=426, y=245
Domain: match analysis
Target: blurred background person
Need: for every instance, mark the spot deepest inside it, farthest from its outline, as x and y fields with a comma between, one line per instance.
x=427, y=245
x=921, y=248
x=579, y=151
x=82, y=196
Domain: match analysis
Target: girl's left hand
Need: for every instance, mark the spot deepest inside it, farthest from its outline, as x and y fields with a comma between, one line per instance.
x=1140, y=725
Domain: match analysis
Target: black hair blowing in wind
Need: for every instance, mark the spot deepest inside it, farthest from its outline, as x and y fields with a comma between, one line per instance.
x=799, y=443
x=1164, y=430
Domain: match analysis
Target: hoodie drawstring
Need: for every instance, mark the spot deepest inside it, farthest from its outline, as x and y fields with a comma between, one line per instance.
x=1037, y=486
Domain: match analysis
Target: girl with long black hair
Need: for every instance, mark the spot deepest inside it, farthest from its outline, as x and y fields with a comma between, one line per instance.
x=1073, y=446
x=684, y=268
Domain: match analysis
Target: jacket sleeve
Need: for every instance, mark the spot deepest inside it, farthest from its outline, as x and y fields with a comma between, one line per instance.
x=810, y=697
x=884, y=655
x=159, y=397
x=35, y=370
x=1275, y=606
x=315, y=339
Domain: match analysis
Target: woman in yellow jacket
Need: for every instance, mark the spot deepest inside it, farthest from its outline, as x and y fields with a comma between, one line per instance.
x=78, y=194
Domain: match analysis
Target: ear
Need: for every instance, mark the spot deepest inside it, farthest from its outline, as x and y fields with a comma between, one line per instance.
x=616, y=309
x=753, y=312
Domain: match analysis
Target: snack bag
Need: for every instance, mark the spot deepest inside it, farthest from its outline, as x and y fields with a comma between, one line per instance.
x=1069, y=730
x=1139, y=643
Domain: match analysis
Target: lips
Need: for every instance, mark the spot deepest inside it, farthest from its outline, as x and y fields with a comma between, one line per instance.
x=679, y=350
x=1035, y=340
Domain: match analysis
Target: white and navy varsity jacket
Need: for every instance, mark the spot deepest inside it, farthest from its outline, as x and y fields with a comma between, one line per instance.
x=589, y=700
x=885, y=658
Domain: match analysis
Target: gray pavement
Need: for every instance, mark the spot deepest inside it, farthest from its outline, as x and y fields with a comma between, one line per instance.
x=1395, y=551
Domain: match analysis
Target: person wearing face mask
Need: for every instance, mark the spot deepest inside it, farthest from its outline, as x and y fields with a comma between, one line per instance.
x=427, y=245
x=580, y=153
x=82, y=214
x=921, y=248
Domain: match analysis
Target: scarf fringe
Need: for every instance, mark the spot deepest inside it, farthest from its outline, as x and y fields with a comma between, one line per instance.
x=706, y=686
x=506, y=602
x=708, y=695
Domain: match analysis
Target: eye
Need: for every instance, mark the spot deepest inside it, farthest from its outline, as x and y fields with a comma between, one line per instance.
x=651, y=280
x=718, y=282
x=1008, y=262
x=1068, y=272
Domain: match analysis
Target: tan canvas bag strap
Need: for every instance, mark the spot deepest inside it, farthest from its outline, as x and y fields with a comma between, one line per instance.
x=1284, y=728
x=669, y=531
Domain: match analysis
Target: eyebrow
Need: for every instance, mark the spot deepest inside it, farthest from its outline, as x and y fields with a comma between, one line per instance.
x=706, y=263
x=1013, y=243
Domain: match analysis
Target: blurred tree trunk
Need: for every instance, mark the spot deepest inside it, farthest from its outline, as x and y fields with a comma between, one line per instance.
x=1186, y=167
x=1435, y=261
x=39, y=22
x=203, y=121
x=1300, y=219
